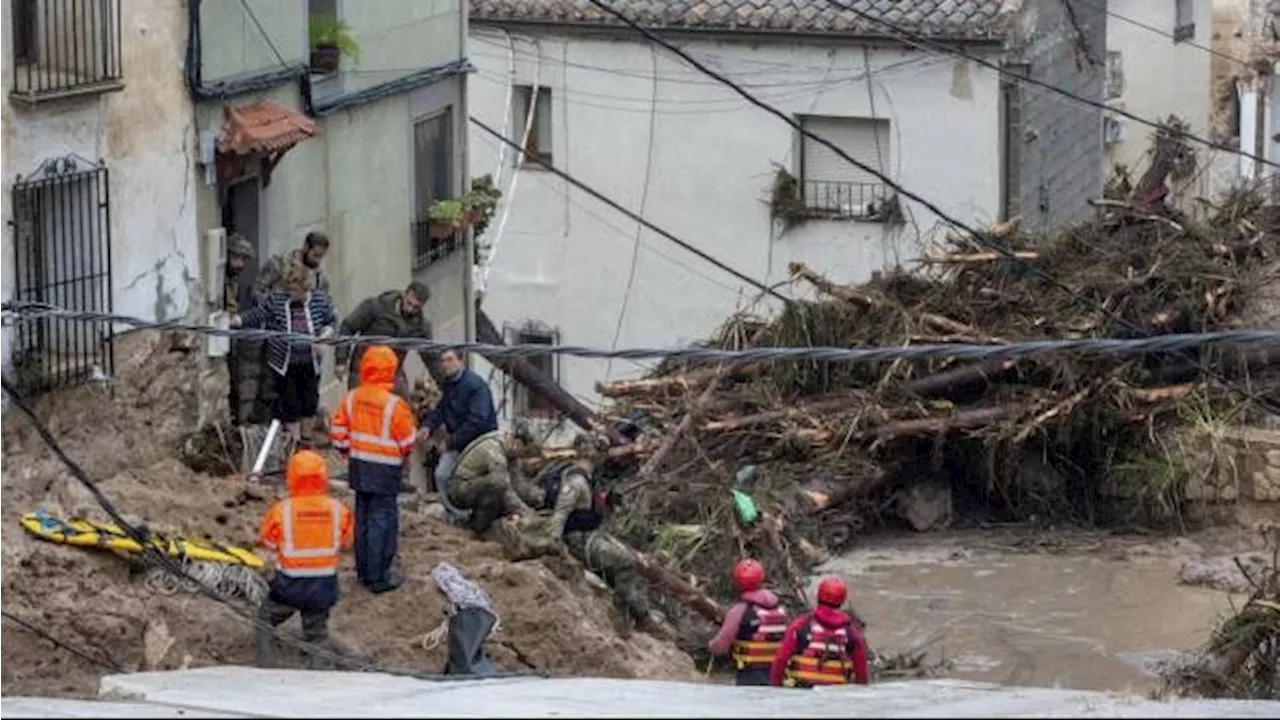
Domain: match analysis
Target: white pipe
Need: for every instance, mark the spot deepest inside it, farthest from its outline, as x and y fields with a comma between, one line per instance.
x=265, y=449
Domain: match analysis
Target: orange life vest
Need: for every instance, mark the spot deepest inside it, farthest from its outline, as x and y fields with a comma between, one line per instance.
x=824, y=656
x=759, y=635
x=312, y=529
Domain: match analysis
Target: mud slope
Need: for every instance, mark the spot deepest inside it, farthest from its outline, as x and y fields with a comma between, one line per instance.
x=130, y=442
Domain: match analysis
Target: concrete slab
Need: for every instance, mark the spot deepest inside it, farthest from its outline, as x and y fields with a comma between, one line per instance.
x=298, y=693
x=38, y=707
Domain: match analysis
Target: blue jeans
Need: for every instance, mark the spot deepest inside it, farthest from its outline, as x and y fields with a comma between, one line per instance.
x=377, y=536
x=444, y=468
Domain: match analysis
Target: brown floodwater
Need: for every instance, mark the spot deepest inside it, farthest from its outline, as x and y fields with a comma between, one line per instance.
x=1081, y=619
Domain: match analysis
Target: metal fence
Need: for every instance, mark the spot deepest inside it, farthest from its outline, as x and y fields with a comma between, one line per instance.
x=837, y=200
x=427, y=249
x=62, y=256
x=61, y=47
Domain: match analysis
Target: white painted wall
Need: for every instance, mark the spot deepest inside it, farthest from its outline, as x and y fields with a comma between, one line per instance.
x=144, y=133
x=565, y=258
x=1161, y=77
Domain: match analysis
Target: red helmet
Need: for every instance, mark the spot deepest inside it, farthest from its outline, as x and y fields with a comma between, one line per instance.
x=748, y=575
x=832, y=591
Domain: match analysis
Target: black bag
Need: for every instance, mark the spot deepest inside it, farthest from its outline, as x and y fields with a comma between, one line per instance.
x=469, y=627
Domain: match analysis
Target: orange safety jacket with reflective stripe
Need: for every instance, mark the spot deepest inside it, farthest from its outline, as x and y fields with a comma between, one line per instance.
x=306, y=533
x=759, y=635
x=825, y=656
x=375, y=429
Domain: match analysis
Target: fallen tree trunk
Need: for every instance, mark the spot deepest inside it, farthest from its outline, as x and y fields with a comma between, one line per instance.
x=976, y=257
x=737, y=423
x=670, y=384
x=678, y=588
x=960, y=379
x=934, y=425
x=540, y=384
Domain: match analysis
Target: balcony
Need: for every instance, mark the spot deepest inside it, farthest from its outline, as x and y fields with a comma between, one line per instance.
x=431, y=243
x=840, y=200
x=64, y=48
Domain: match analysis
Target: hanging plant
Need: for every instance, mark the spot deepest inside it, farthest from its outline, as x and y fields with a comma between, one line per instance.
x=786, y=205
x=475, y=209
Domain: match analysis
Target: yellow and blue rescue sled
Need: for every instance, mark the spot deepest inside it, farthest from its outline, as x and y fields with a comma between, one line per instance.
x=79, y=532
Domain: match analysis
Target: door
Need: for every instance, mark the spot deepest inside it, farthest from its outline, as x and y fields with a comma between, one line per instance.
x=240, y=213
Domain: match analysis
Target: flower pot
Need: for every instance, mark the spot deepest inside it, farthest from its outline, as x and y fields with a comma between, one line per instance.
x=324, y=59
x=440, y=229
x=474, y=215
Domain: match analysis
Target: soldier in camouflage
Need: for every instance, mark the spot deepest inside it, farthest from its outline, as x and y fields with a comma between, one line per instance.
x=481, y=483
x=250, y=397
x=577, y=512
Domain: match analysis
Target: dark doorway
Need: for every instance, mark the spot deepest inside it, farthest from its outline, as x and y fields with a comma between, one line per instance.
x=240, y=213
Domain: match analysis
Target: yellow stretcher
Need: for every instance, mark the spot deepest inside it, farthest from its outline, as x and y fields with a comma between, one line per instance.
x=109, y=536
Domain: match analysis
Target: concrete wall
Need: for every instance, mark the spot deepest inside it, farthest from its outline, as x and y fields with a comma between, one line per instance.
x=1161, y=78
x=144, y=134
x=1057, y=140
x=233, y=45
x=693, y=158
x=399, y=36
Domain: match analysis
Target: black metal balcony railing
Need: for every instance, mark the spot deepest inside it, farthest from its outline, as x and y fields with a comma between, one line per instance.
x=65, y=47
x=430, y=247
x=837, y=200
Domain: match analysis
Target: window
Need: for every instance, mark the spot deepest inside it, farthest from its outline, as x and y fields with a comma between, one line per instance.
x=65, y=47
x=538, y=144
x=1184, y=25
x=528, y=404
x=62, y=246
x=432, y=180
x=1115, y=74
x=832, y=187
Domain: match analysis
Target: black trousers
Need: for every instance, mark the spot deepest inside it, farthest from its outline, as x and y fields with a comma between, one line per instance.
x=377, y=536
x=297, y=393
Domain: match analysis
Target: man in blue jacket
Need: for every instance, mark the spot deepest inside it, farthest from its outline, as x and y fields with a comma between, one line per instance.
x=472, y=475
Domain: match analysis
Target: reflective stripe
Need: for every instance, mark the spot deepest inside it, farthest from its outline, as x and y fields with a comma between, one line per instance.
x=383, y=439
x=290, y=551
x=309, y=572
x=825, y=659
x=375, y=458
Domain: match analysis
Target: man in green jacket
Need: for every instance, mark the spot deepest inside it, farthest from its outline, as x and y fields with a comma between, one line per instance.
x=397, y=314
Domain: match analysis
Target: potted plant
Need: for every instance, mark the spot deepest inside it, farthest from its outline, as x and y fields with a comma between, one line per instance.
x=330, y=39
x=445, y=217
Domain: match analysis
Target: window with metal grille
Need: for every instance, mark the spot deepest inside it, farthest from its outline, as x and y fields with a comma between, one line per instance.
x=65, y=47
x=538, y=143
x=62, y=257
x=528, y=404
x=1115, y=74
x=432, y=180
x=835, y=189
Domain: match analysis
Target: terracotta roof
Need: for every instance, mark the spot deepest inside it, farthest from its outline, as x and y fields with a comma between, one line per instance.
x=971, y=19
x=262, y=128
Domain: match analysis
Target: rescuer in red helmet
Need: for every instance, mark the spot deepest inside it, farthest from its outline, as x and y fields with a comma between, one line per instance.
x=753, y=627
x=824, y=647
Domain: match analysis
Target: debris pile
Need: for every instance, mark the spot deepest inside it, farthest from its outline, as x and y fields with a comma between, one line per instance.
x=1242, y=657
x=824, y=450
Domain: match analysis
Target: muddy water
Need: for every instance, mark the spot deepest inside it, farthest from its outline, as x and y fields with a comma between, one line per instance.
x=1084, y=619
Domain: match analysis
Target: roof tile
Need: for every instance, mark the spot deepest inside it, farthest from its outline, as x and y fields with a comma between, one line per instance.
x=263, y=127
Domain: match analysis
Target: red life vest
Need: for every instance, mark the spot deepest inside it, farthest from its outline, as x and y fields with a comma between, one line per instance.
x=824, y=656
x=759, y=635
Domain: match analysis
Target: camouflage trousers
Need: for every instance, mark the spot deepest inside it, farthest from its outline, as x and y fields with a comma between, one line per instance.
x=612, y=560
x=481, y=482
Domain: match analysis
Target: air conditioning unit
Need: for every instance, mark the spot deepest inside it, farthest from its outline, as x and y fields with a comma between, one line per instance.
x=1114, y=130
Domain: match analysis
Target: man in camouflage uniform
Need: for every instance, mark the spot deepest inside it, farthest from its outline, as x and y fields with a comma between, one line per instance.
x=482, y=484
x=577, y=512
x=249, y=398
x=272, y=273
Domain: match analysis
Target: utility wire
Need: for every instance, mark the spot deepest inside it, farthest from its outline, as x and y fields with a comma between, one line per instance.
x=1105, y=346
x=978, y=237
x=634, y=216
x=921, y=42
x=1165, y=33
x=107, y=664
x=261, y=31
x=157, y=557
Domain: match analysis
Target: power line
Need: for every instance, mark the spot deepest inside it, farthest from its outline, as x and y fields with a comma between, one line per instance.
x=919, y=41
x=262, y=31
x=1164, y=33
x=634, y=216
x=107, y=664
x=1091, y=346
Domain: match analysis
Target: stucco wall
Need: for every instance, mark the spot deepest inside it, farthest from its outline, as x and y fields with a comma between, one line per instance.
x=144, y=133
x=1161, y=78
x=232, y=44
x=565, y=258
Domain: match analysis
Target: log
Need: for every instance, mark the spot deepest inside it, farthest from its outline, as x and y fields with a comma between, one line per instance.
x=532, y=463
x=669, y=384
x=934, y=425
x=975, y=258
x=540, y=384
x=651, y=465
x=963, y=378
x=799, y=411
x=677, y=588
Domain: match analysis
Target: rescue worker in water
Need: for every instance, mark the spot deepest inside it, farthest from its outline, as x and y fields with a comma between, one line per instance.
x=753, y=627
x=823, y=647
x=375, y=430
x=303, y=534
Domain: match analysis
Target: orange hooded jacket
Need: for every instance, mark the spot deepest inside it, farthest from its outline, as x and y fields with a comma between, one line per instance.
x=374, y=427
x=307, y=530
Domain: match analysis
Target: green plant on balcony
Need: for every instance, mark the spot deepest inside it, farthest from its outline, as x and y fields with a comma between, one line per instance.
x=331, y=38
x=474, y=209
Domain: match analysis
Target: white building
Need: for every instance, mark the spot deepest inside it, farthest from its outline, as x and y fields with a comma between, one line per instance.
x=1246, y=95
x=1158, y=64
x=634, y=122
x=99, y=191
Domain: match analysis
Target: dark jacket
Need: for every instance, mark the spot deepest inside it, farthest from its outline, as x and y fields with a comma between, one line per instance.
x=465, y=408
x=273, y=314
x=380, y=315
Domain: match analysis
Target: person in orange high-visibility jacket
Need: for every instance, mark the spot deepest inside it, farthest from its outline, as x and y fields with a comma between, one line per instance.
x=304, y=533
x=375, y=429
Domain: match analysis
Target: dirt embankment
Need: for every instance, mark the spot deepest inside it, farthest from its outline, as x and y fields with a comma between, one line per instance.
x=552, y=618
